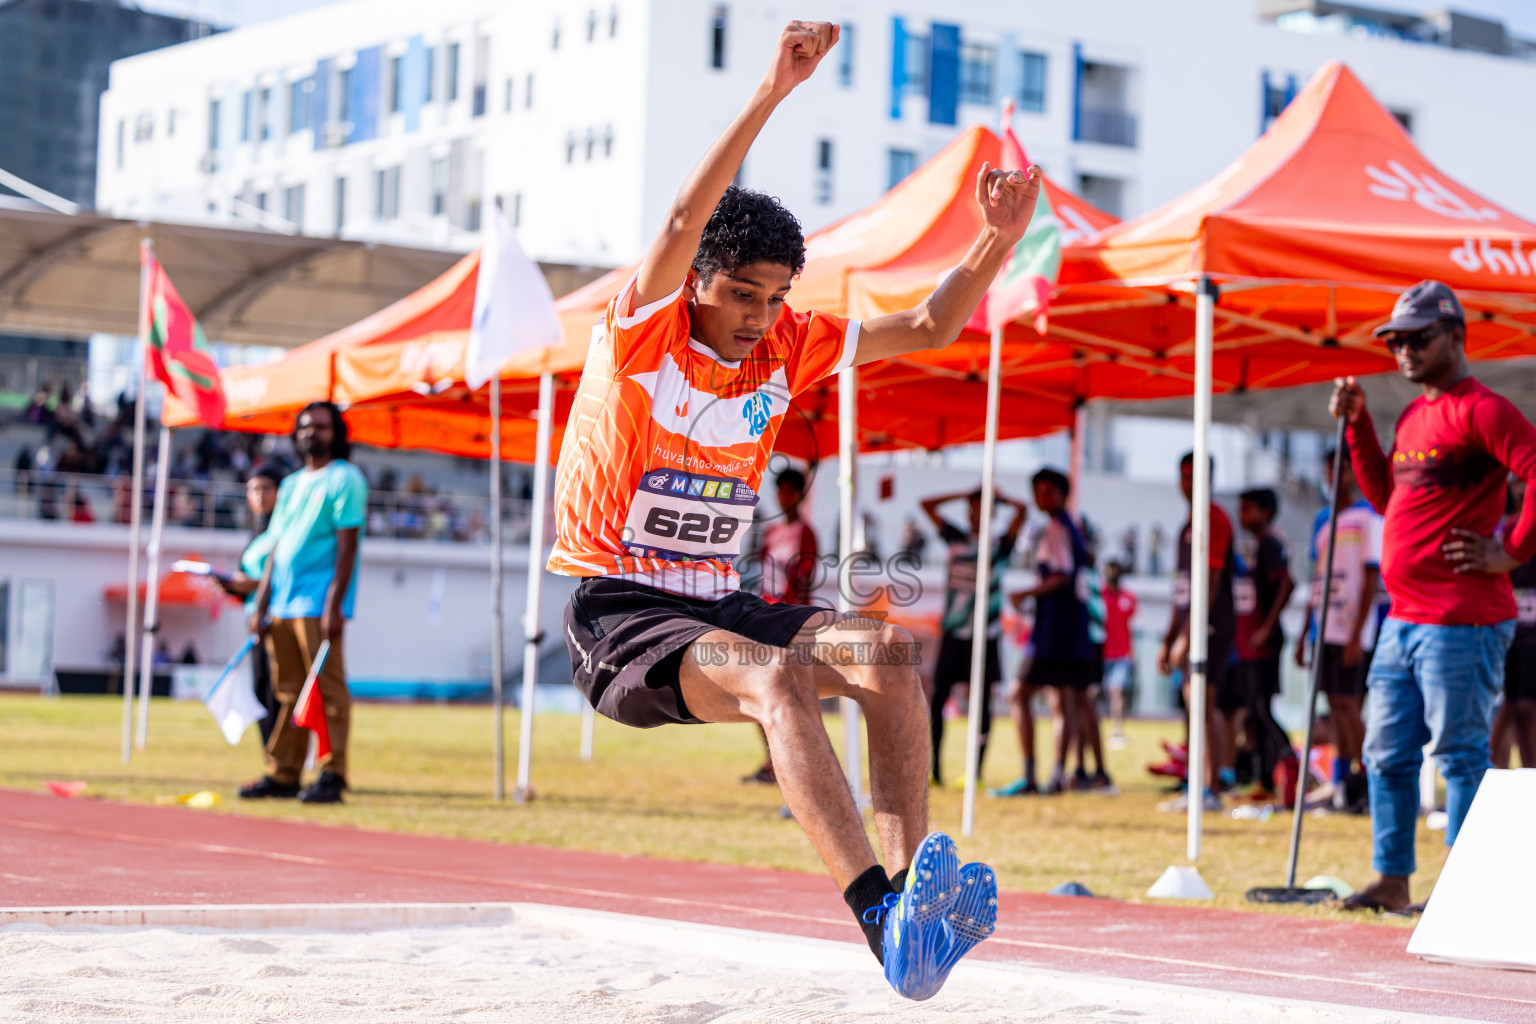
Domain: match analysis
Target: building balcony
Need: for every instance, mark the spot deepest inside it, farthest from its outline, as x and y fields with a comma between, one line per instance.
x=1108, y=126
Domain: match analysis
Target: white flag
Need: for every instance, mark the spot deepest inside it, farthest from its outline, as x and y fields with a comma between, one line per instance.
x=514, y=310
x=232, y=699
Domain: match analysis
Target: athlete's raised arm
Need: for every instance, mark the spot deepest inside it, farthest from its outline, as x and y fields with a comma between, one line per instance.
x=800, y=48
x=1007, y=200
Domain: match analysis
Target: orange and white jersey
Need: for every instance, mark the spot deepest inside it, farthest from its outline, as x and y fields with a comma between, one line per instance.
x=667, y=443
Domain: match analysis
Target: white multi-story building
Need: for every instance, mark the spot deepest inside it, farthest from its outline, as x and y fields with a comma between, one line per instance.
x=397, y=120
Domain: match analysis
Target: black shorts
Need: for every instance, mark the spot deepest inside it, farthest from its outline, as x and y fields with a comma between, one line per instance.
x=1064, y=673
x=1336, y=680
x=627, y=643
x=1263, y=677
x=954, y=664
x=1520, y=674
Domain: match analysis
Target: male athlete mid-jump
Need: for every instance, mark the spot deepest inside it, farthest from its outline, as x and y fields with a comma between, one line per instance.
x=683, y=394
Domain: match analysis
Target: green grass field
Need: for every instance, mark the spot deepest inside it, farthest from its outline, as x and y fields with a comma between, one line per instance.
x=672, y=792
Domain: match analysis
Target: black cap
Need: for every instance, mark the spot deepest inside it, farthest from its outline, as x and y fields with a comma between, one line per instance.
x=1426, y=303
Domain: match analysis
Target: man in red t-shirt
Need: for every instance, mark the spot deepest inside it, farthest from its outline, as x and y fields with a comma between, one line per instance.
x=1439, y=659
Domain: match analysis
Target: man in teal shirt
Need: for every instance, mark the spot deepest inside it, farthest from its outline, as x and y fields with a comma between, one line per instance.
x=306, y=596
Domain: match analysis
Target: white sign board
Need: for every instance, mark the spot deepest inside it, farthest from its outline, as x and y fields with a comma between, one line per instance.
x=1482, y=908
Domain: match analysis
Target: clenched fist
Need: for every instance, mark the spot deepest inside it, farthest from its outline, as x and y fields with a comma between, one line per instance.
x=800, y=49
x=1007, y=199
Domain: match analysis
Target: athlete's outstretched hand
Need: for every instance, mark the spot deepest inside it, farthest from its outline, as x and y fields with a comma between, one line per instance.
x=800, y=49
x=1007, y=198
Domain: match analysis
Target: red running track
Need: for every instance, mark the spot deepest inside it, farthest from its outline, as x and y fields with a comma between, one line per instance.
x=56, y=852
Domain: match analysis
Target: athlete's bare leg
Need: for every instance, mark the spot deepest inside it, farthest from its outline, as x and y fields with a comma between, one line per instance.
x=780, y=691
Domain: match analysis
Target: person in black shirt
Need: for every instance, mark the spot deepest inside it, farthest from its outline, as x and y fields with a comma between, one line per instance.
x=1260, y=595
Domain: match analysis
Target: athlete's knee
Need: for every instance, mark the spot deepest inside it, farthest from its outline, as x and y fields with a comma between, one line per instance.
x=782, y=689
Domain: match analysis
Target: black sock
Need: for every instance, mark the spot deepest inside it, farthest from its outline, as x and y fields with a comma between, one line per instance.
x=869, y=890
x=899, y=880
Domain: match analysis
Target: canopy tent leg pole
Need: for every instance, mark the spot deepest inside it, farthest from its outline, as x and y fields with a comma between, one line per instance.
x=1075, y=458
x=1199, y=561
x=531, y=628
x=980, y=618
x=847, y=485
x=152, y=587
x=131, y=632
x=497, y=725
x=588, y=719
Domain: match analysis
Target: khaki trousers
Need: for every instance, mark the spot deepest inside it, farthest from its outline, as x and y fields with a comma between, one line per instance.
x=291, y=647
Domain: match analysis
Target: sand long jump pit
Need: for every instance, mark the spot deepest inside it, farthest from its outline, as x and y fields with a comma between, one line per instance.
x=532, y=963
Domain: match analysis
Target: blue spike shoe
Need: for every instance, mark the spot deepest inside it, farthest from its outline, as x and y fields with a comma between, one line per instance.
x=942, y=912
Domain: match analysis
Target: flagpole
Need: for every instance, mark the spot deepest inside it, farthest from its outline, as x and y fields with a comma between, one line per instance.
x=152, y=586
x=980, y=612
x=496, y=589
x=847, y=485
x=531, y=629
x=131, y=633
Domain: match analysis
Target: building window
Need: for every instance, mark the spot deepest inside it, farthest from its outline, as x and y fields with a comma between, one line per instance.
x=472, y=214
x=264, y=115
x=345, y=89
x=1404, y=118
x=517, y=209
x=396, y=83
x=122, y=134
x=387, y=193
x=298, y=104
x=845, y=57
x=613, y=21
x=916, y=63
x=507, y=101
x=453, y=72
x=717, y=38
x=976, y=63
x=431, y=75
x=824, y=170
x=1108, y=194
x=439, y=186
x=170, y=122
x=144, y=128
x=608, y=141
x=554, y=36
x=215, y=108
x=592, y=25
x=293, y=205
x=899, y=163
x=245, y=116
x=570, y=148
x=528, y=92
x=261, y=201
x=340, y=198
x=591, y=143
x=1032, y=81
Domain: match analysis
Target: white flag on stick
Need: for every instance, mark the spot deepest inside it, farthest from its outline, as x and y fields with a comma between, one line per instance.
x=514, y=310
x=232, y=698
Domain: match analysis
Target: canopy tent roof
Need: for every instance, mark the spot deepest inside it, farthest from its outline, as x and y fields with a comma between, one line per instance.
x=1310, y=234
x=77, y=274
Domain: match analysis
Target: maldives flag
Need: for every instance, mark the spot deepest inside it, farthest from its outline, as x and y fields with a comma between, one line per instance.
x=1024, y=285
x=179, y=355
x=309, y=712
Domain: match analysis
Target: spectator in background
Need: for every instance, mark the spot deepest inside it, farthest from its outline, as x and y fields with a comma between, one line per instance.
x=1346, y=650
x=189, y=654
x=1221, y=630
x=308, y=587
x=1438, y=662
x=789, y=570
x=1261, y=593
x=261, y=497
x=1515, y=724
x=81, y=512
x=959, y=620
x=1119, y=657
x=1061, y=650
x=1155, y=550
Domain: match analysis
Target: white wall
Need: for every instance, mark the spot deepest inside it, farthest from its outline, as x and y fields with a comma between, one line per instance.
x=394, y=637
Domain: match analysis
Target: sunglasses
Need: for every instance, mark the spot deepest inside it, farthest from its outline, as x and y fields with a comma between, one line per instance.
x=1413, y=341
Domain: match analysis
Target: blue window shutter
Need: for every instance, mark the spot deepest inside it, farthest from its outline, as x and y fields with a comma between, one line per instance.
x=898, y=66
x=943, y=74
x=1077, y=91
x=413, y=84
x=320, y=100
x=1263, y=101
x=1290, y=89
x=364, y=101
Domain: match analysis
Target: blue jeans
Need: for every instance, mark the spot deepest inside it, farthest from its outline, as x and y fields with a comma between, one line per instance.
x=1428, y=683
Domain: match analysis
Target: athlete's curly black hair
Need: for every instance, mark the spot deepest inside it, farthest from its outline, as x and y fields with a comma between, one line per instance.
x=749, y=227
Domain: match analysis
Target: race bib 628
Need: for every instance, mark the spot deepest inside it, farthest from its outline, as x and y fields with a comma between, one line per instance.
x=683, y=516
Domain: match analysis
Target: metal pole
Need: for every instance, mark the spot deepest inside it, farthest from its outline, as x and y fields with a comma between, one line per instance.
x=979, y=614
x=588, y=719
x=152, y=587
x=131, y=633
x=1317, y=653
x=1199, y=560
x=847, y=490
x=497, y=731
x=535, y=582
x=1075, y=458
